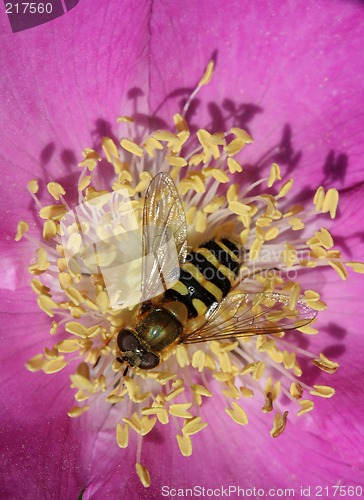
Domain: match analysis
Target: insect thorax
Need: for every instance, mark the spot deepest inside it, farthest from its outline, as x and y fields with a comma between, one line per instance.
x=159, y=329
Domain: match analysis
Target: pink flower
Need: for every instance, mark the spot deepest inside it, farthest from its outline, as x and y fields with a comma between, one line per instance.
x=289, y=74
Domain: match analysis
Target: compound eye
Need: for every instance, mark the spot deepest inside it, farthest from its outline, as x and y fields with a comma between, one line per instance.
x=127, y=341
x=148, y=361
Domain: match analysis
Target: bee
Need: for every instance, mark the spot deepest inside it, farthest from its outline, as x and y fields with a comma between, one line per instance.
x=199, y=302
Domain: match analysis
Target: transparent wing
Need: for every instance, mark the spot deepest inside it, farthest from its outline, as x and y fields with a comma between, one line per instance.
x=245, y=315
x=164, y=239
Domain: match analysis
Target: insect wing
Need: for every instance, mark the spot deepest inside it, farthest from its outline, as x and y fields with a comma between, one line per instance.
x=164, y=239
x=246, y=315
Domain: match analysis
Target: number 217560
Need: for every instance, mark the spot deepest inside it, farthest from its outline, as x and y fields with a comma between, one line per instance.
x=28, y=8
x=339, y=491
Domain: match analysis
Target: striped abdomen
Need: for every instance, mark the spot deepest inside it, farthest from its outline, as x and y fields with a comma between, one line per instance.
x=207, y=276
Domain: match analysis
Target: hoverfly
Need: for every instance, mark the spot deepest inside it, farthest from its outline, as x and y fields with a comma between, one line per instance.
x=201, y=305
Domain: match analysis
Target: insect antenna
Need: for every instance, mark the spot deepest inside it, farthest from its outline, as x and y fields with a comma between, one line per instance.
x=121, y=361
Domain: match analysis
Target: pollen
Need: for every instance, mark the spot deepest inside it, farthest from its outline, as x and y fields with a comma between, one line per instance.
x=206, y=78
x=180, y=410
x=143, y=474
x=234, y=165
x=307, y=405
x=358, y=267
x=21, y=230
x=325, y=364
x=193, y=426
x=280, y=422
x=86, y=271
x=285, y=189
x=185, y=444
x=122, y=435
x=274, y=175
x=323, y=391
x=56, y=190
x=131, y=147
x=77, y=411
x=237, y=414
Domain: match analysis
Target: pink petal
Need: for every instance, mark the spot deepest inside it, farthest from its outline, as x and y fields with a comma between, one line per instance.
x=63, y=84
x=296, y=67
x=41, y=452
x=84, y=65
x=63, y=88
x=307, y=454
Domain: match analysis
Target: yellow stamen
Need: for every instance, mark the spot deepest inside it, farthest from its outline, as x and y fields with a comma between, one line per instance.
x=89, y=163
x=279, y=425
x=33, y=186
x=185, y=444
x=339, y=268
x=193, y=426
x=47, y=304
x=77, y=411
x=358, y=267
x=54, y=212
x=56, y=190
x=242, y=135
x=180, y=410
x=325, y=238
x=234, y=165
x=325, y=364
x=180, y=123
x=201, y=390
x=110, y=149
x=324, y=391
x=330, y=202
x=308, y=330
x=131, y=147
x=35, y=363
x=122, y=435
x=173, y=394
x=296, y=224
x=306, y=405
x=234, y=147
x=68, y=345
x=54, y=365
x=296, y=390
x=198, y=360
x=246, y=392
x=21, y=230
x=274, y=175
x=289, y=255
x=239, y=208
x=49, y=229
x=209, y=71
x=143, y=474
x=237, y=414
x=319, y=198
x=285, y=189
x=125, y=119
x=176, y=161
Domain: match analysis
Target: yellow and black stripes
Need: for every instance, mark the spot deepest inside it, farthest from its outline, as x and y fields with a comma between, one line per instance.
x=207, y=276
x=226, y=252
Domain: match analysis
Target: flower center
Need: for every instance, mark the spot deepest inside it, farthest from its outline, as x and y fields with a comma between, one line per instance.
x=75, y=282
